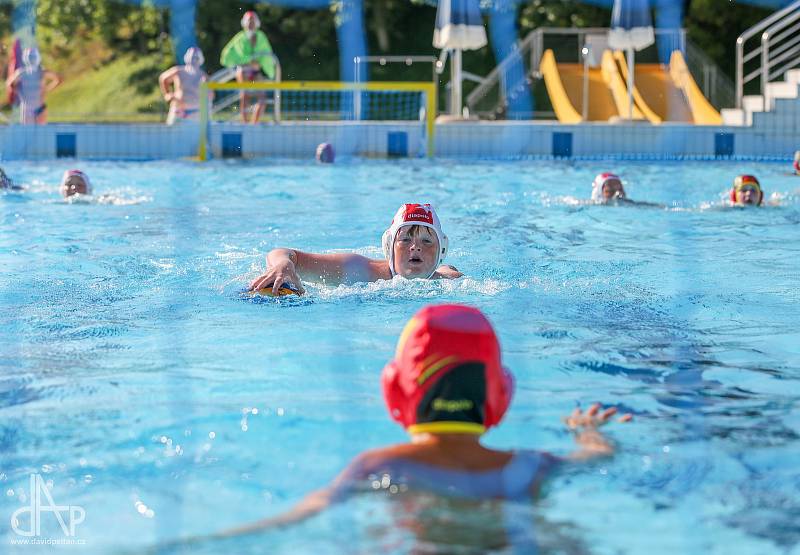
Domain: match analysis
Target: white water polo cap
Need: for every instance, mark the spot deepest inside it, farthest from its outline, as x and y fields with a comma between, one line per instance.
x=194, y=57
x=600, y=182
x=79, y=174
x=406, y=216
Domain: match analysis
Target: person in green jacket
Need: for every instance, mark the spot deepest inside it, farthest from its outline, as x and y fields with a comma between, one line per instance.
x=250, y=53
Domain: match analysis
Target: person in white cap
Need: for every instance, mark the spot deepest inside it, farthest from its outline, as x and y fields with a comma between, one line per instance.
x=30, y=83
x=250, y=52
x=75, y=182
x=185, y=80
x=607, y=187
x=414, y=246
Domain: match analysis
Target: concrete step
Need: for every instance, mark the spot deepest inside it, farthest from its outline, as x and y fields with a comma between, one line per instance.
x=753, y=103
x=792, y=76
x=779, y=89
x=732, y=116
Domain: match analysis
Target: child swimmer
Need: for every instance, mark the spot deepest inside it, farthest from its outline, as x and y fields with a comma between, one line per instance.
x=414, y=247
x=446, y=386
x=75, y=182
x=746, y=191
x=607, y=189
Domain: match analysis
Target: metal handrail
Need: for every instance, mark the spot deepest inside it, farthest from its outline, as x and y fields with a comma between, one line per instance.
x=717, y=87
x=766, y=63
x=226, y=74
x=742, y=58
x=533, y=43
x=408, y=60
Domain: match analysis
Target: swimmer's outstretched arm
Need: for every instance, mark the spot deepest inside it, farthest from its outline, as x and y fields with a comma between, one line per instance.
x=290, y=265
x=312, y=504
x=586, y=426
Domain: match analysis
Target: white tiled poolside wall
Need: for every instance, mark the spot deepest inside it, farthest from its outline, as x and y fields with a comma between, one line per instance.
x=774, y=134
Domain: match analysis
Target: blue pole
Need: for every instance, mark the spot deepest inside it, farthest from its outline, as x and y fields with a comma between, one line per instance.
x=182, y=26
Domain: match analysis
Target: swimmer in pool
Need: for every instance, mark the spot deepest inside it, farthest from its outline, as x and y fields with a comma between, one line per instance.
x=446, y=386
x=746, y=191
x=414, y=247
x=75, y=182
x=607, y=187
x=796, y=163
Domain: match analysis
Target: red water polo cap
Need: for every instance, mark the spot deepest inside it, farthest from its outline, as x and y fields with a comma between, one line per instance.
x=446, y=376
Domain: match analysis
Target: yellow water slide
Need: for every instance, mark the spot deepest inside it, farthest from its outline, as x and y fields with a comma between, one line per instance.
x=660, y=93
x=703, y=113
x=668, y=93
x=564, y=84
x=618, y=87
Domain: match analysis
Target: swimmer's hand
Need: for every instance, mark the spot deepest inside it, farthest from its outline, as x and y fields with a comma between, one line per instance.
x=280, y=271
x=586, y=426
x=446, y=271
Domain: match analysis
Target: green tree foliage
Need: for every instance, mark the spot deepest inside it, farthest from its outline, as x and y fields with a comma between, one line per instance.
x=561, y=13
x=65, y=25
x=714, y=25
x=303, y=40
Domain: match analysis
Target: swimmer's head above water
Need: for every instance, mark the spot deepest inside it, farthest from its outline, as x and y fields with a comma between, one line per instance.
x=325, y=153
x=606, y=187
x=75, y=182
x=414, y=245
x=446, y=375
x=796, y=163
x=746, y=191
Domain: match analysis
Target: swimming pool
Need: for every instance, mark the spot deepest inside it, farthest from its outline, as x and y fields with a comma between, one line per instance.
x=137, y=380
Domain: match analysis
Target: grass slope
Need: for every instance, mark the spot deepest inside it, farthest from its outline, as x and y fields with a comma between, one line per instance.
x=122, y=89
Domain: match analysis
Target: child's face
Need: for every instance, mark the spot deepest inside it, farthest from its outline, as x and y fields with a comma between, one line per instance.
x=75, y=185
x=748, y=195
x=415, y=252
x=613, y=189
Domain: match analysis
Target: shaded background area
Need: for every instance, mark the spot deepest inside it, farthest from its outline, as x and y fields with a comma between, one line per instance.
x=111, y=52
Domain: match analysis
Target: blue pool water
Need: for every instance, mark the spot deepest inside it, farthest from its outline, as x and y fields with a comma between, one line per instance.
x=138, y=383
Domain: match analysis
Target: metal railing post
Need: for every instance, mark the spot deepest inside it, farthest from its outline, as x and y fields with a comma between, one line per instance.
x=739, y=72
x=764, y=65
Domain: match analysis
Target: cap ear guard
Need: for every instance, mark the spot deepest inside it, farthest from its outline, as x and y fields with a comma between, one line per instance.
x=496, y=406
x=386, y=244
x=396, y=399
